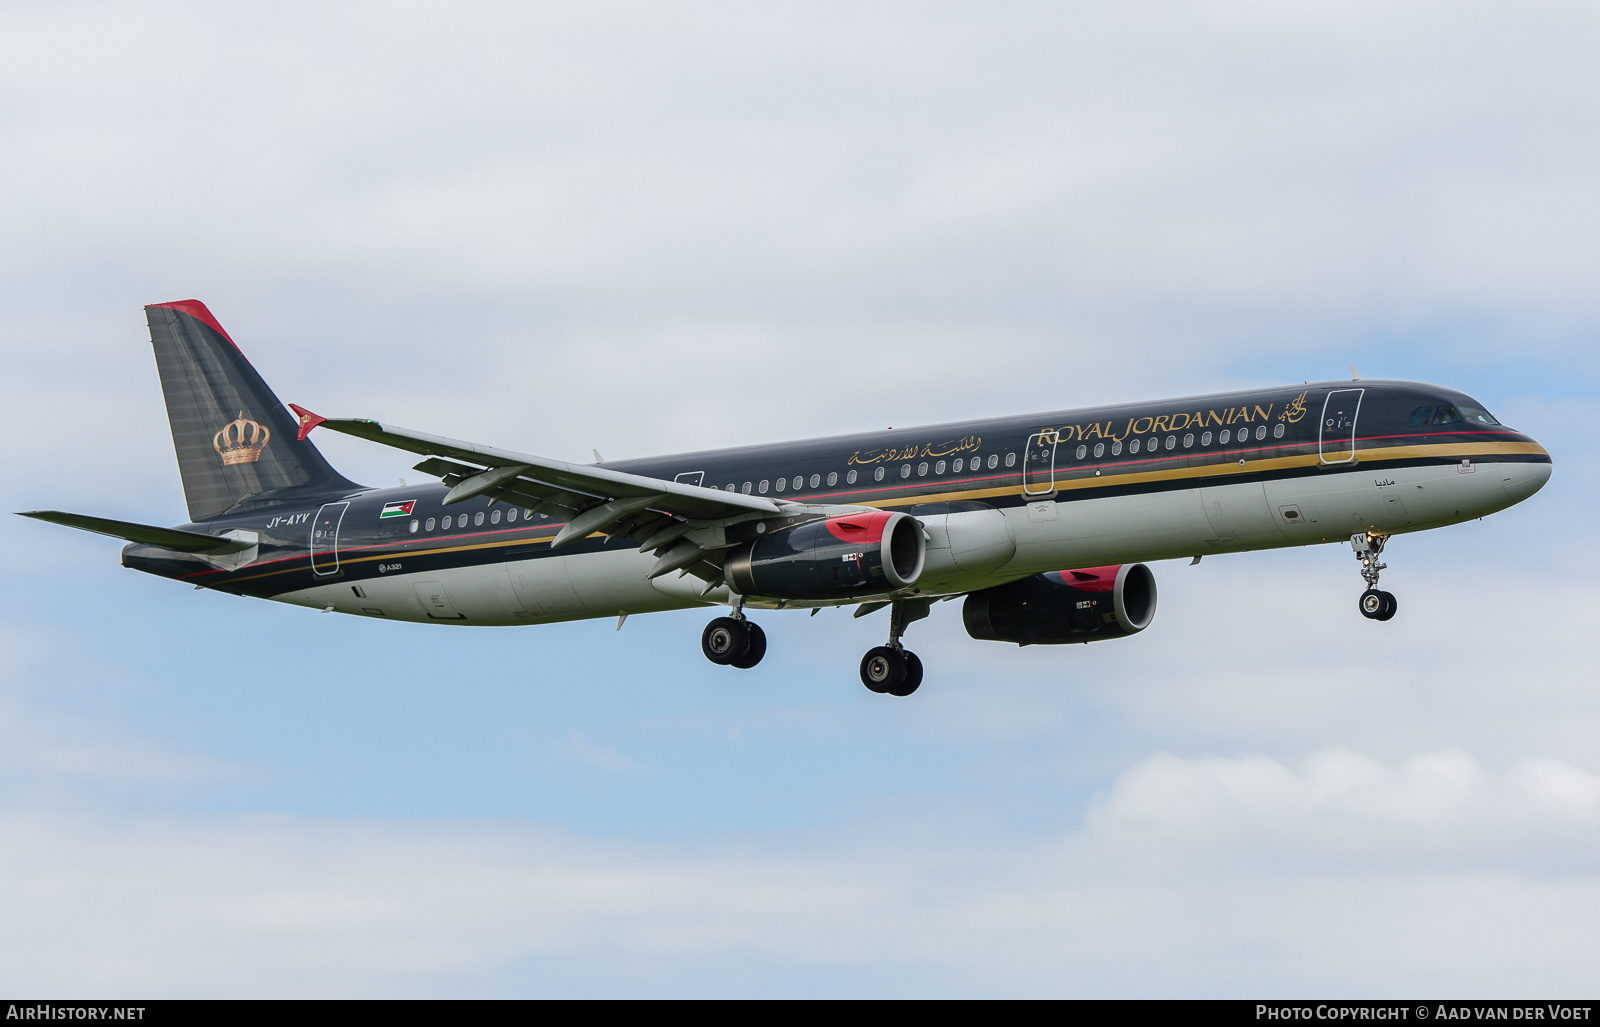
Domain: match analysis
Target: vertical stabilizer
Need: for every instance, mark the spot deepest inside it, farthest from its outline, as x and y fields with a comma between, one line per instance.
x=235, y=441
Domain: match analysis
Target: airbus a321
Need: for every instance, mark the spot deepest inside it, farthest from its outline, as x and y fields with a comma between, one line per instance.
x=1041, y=524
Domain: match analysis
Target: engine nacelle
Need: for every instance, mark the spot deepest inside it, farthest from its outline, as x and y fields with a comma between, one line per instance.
x=838, y=558
x=1065, y=606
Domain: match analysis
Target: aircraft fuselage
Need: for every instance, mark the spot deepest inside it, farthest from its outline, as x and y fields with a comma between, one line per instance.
x=999, y=499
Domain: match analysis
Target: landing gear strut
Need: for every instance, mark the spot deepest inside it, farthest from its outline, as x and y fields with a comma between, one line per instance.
x=1375, y=604
x=734, y=641
x=891, y=668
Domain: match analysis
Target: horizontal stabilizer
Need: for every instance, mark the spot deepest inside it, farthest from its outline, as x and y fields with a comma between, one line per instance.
x=166, y=538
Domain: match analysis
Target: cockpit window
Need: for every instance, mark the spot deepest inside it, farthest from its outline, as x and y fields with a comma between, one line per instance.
x=1419, y=416
x=1477, y=415
x=1446, y=415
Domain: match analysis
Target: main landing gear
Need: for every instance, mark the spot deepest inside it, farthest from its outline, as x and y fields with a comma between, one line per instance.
x=1375, y=604
x=734, y=641
x=893, y=669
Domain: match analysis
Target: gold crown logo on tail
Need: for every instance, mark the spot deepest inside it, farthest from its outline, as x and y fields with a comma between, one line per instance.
x=241, y=441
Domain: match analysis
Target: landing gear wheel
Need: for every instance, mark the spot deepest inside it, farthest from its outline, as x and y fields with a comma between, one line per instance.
x=1389, y=606
x=757, y=649
x=1373, y=604
x=883, y=669
x=725, y=640
x=913, y=674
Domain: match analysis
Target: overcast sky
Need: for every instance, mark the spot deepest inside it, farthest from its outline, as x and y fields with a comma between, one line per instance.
x=652, y=228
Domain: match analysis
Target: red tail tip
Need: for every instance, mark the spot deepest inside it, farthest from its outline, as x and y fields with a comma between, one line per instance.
x=308, y=420
x=198, y=311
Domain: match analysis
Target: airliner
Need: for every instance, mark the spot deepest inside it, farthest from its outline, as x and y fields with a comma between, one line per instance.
x=1042, y=524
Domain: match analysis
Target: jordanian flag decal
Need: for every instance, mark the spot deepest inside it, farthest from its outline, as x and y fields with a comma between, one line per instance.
x=398, y=509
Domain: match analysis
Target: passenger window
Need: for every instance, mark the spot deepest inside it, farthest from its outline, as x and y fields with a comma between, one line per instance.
x=1172, y=442
x=511, y=515
x=1419, y=417
x=1116, y=449
x=850, y=477
x=762, y=488
x=922, y=470
x=782, y=484
x=477, y=518
x=1225, y=436
x=1446, y=415
x=1154, y=444
x=1083, y=451
x=746, y=488
x=1188, y=440
x=877, y=475
x=414, y=526
x=938, y=468
x=994, y=461
x=428, y=526
x=816, y=481
x=1099, y=449
x=1277, y=430
x=494, y=518
x=1133, y=447
x=527, y=514
x=905, y=470
x=833, y=478
x=956, y=467
x=799, y=480
x=445, y=524
x=1011, y=459
x=1205, y=440
x=1261, y=431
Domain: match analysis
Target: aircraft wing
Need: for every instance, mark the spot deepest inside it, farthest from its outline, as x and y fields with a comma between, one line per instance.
x=680, y=522
x=145, y=534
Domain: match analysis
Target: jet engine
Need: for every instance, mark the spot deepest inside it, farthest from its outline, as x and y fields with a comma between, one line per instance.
x=837, y=558
x=1065, y=606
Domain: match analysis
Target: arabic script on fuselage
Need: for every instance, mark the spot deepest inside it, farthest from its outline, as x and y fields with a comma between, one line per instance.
x=911, y=451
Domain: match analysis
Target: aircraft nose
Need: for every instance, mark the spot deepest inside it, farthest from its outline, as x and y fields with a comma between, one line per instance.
x=1522, y=480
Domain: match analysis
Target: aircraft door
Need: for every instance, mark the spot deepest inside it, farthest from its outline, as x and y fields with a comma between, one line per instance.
x=325, y=538
x=1336, y=436
x=1039, y=465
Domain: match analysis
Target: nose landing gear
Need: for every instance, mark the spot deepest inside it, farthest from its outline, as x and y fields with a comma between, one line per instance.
x=1375, y=604
x=734, y=642
x=892, y=669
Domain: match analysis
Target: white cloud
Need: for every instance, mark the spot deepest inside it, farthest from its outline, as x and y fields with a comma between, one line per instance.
x=582, y=748
x=1343, y=808
x=1334, y=859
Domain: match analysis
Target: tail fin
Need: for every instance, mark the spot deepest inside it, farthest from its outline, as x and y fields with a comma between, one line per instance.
x=234, y=438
